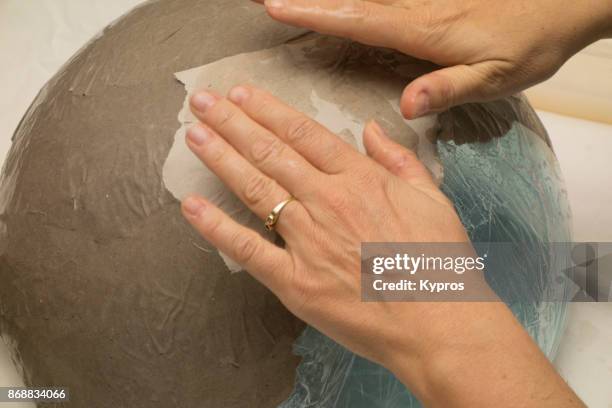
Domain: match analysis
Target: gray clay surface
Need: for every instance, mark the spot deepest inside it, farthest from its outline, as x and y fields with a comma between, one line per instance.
x=106, y=289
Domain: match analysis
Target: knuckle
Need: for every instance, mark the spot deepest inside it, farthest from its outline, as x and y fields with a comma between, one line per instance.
x=334, y=153
x=260, y=104
x=338, y=203
x=257, y=188
x=264, y=151
x=300, y=129
x=402, y=161
x=245, y=247
x=213, y=225
x=495, y=77
x=224, y=117
x=448, y=89
x=215, y=154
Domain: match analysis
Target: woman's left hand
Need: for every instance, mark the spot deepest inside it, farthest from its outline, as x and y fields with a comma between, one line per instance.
x=267, y=152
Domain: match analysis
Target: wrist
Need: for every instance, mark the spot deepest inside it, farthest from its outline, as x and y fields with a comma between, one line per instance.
x=454, y=351
x=479, y=356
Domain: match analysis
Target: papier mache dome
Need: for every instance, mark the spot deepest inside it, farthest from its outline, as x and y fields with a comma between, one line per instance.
x=106, y=289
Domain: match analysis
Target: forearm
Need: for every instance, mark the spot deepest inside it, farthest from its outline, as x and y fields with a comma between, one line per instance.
x=481, y=357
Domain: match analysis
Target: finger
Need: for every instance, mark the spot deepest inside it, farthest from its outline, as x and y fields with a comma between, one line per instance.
x=367, y=22
x=259, y=192
x=258, y=145
x=319, y=146
x=448, y=87
x=400, y=161
x=265, y=261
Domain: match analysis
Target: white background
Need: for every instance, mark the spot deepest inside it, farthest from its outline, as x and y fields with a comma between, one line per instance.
x=38, y=36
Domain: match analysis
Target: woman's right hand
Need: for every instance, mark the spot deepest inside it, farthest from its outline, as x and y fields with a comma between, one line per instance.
x=488, y=48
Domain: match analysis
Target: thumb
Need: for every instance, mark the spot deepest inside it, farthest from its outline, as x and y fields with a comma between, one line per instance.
x=398, y=160
x=448, y=87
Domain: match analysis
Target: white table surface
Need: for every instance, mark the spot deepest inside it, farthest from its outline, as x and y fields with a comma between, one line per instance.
x=38, y=36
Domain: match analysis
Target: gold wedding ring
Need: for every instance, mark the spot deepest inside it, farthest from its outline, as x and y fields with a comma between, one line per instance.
x=275, y=214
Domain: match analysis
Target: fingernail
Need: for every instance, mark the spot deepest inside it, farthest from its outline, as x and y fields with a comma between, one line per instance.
x=421, y=104
x=202, y=101
x=193, y=206
x=274, y=3
x=197, y=135
x=238, y=94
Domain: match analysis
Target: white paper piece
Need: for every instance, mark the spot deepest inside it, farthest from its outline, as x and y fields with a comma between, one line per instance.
x=337, y=83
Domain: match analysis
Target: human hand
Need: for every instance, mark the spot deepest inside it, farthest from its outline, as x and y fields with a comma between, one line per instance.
x=488, y=48
x=265, y=151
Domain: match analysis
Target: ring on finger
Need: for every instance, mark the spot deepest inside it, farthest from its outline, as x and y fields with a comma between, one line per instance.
x=274, y=215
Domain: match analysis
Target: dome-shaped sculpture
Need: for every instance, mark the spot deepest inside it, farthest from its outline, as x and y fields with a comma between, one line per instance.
x=109, y=292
